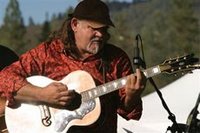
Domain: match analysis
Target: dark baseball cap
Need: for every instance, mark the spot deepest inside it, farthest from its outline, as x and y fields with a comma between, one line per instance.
x=95, y=11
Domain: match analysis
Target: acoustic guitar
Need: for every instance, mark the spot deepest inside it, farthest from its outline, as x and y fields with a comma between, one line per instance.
x=29, y=118
x=3, y=128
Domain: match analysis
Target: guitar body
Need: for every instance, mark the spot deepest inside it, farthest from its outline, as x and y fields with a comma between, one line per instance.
x=2, y=115
x=28, y=117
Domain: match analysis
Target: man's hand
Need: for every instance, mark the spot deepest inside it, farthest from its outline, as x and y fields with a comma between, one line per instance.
x=135, y=83
x=134, y=87
x=58, y=94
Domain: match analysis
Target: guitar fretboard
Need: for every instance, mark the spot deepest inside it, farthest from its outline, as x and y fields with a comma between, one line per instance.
x=115, y=85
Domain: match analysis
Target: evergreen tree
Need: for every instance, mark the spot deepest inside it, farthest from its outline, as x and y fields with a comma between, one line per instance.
x=13, y=28
x=45, y=30
x=31, y=21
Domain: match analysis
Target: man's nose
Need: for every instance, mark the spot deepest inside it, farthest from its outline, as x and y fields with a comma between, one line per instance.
x=98, y=33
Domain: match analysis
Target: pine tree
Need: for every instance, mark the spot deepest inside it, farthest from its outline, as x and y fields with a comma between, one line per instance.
x=31, y=22
x=45, y=31
x=13, y=28
x=46, y=28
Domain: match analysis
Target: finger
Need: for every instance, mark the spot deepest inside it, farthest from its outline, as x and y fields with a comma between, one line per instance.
x=63, y=103
x=138, y=79
x=133, y=80
x=62, y=88
x=57, y=84
x=64, y=93
x=67, y=94
x=65, y=99
x=139, y=75
x=142, y=78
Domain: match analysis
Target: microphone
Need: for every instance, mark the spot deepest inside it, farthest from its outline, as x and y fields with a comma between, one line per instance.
x=136, y=58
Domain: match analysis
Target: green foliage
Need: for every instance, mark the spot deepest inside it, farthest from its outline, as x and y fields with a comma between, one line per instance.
x=45, y=31
x=13, y=29
x=184, y=30
x=172, y=31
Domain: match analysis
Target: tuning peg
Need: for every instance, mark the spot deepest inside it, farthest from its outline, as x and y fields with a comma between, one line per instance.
x=185, y=58
x=177, y=59
x=197, y=66
x=190, y=71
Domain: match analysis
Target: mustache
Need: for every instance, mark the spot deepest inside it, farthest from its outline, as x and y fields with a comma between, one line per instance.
x=97, y=40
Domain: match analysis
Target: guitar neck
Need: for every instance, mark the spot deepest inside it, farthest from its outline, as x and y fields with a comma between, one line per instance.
x=152, y=71
x=115, y=85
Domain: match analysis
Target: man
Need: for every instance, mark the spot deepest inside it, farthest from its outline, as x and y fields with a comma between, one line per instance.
x=7, y=57
x=80, y=44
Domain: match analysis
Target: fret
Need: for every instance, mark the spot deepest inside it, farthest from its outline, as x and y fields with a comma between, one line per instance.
x=114, y=85
x=150, y=72
x=103, y=89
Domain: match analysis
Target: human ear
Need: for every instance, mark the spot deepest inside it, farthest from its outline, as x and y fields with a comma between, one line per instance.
x=74, y=24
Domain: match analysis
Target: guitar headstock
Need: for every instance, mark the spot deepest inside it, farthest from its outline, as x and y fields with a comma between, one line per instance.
x=183, y=64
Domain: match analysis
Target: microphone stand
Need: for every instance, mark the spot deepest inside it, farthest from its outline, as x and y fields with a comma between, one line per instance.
x=139, y=62
x=194, y=123
x=175, y=126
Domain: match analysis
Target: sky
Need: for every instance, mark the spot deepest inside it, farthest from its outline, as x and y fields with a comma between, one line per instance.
x=37, y=9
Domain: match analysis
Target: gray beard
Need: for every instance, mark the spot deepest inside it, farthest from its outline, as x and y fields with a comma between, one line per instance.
x=93, y=50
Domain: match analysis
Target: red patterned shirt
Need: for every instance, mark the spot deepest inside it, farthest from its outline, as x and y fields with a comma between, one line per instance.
x=49, y=60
